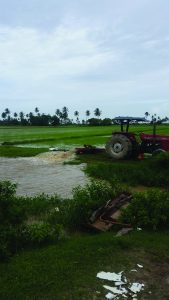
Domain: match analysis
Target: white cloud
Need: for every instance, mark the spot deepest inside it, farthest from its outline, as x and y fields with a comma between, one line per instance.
x=151, y=44
x=33, y=55
x=85, y=54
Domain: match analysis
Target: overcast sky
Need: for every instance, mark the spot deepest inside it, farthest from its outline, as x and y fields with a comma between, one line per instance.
x=83, y=54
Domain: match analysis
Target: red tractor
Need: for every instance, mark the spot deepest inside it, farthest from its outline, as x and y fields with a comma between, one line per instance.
x=125, y=144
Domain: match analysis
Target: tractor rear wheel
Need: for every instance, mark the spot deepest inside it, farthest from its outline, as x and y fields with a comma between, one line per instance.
x=119, y=147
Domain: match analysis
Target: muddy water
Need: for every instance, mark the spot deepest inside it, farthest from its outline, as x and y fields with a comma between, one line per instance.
x=38, y=174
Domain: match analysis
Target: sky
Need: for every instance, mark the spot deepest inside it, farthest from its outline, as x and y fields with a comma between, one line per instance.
x=83, y=54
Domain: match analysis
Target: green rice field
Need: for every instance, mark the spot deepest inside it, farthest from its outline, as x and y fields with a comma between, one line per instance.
x=68, y=135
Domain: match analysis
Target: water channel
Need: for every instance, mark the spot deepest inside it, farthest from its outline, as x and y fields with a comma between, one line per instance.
x=42, y=175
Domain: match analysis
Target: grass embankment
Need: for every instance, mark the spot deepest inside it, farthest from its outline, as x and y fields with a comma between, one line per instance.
x=12, y=151
x=68, y=270
x=150, y=172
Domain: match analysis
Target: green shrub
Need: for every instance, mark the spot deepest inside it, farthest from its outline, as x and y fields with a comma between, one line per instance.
x=148, y=210
x=39, y=205
x=7, y=189
x=38, y=234
x=12, y=216
x=11, y=210
x=75, y=213
x=14, y=212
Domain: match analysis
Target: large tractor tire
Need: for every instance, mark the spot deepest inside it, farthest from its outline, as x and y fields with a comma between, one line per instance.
x=119, y=147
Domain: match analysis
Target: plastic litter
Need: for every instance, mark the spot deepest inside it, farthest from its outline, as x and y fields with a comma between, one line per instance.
x=136, y=287
x=118, y=283
x=110, y=296
x=109, y=276
x=118, y=290
x=115, y=290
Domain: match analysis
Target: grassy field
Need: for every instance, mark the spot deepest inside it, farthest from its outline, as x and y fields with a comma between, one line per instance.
x=68, y=270
x=67, y=135
x=62, y=137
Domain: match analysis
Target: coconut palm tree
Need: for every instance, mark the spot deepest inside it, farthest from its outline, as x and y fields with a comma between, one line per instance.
x=3, y=115
x=7, y=111
x=57, y=112
x=21, y=115
x=65, y=113
x=36, y=110
x=76, y=114
x=146, y=114
x=87, y=114
x=97, y=112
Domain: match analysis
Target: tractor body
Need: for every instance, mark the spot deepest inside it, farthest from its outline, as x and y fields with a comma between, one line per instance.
x=124, y=144
x=151, y=142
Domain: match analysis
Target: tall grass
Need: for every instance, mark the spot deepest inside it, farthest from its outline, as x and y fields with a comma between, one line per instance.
x=151, y=172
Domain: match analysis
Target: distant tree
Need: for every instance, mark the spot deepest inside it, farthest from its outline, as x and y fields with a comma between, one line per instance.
x=87, y=114
x=77, y=120
x=21, y=115
x=146, y=114
x=106, y=122
x=97, y=112
x=23, y=121
x=94, y=122
x=3, y=115
x=55, y=120
x=36, y=110
x=7, y=111
x=159, y=121
x=7, y=115
x=154, y=118
x=76, y=114
x=58, y=112
x=30, y=114
x=15, y=115
x=65, y=114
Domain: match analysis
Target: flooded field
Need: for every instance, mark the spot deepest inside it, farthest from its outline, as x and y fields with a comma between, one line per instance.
x=45, y=173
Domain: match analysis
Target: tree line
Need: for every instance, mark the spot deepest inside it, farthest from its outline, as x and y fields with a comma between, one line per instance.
x=61, y=117
x=155, y=119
